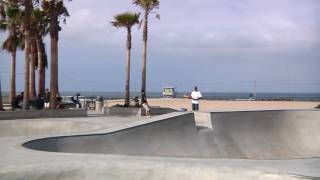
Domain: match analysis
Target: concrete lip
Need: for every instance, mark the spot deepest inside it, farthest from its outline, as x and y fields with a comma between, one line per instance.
x=27, y=127
x=121, y=162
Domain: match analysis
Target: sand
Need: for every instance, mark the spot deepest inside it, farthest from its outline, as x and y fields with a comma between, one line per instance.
x=212, y=105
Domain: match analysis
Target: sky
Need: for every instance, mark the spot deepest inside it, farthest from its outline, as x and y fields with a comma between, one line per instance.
x=218, y=45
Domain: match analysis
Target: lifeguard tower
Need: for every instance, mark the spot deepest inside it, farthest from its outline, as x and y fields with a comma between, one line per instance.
x=169, y=92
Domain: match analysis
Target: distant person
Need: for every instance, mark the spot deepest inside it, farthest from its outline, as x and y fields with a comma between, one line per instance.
x=146, y=107
x=75, y=99
x=46, y=98
x=18, y=101
x=59, y=102
x=39, y=102
x=145, y=104
x=195, y=96
x=136, y=101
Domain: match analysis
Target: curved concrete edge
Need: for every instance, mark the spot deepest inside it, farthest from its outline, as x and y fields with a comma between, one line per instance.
x=33, y=127
x=45, y=165
x=107, y=130
x=133, y=111
x=257, y=110
x=36, y=114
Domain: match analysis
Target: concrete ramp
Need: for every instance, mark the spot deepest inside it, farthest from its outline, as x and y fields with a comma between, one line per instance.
x=12, y=128
x=248, y=135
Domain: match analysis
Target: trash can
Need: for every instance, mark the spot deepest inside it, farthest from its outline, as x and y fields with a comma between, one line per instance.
x=99, y=104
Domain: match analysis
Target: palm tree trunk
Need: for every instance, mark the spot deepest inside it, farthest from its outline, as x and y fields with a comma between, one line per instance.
x=28, y=9
x=32, y=87
x=54, y=56
x=127, y=88
x=144, y=57
x=42, y=67
x=26, y=73
x=12, y=93
x=1, y=105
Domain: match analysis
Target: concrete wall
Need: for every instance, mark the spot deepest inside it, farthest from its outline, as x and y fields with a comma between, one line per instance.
x=122, y=111
x=33, y=114
x=26, y=127
x=126, y=112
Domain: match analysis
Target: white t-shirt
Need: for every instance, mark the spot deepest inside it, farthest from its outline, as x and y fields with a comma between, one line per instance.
x=195, y=95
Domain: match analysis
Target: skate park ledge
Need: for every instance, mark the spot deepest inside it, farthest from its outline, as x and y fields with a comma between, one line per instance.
x=36, y=114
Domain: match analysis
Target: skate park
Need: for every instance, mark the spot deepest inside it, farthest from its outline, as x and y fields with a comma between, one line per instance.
x=260, y=144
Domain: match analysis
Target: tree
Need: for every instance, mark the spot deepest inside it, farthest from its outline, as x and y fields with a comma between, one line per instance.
x=11, y=22
x=2, y=18
x=43, y=64
x=57, y=12
x=148, y=6
x=28, y=7
x=1, y=105
x=127, y=20
x=41, y=28
x=33, y=67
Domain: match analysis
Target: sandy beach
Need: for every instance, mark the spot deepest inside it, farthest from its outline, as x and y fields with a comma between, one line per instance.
x=212, y=105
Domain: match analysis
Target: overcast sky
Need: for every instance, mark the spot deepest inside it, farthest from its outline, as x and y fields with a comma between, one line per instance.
x=219, y=45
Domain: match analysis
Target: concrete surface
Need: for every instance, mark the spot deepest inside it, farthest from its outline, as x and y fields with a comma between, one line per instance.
x=132, y=111
x=17, y=162
x=250, y=135
x=9, y=128
x=33, y=114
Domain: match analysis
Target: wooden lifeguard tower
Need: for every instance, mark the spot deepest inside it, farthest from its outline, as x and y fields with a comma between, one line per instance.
x=169, y=92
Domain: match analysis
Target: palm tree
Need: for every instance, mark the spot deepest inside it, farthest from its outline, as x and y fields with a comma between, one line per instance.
x=127, y=20
x=39, y=28
x=11, y=22
x=56, y=11
x=148, y=6
x=40, y=24
x=28, y=7
x=43, y=64
x=2, y=18
x=1, y=105
x=33, y=67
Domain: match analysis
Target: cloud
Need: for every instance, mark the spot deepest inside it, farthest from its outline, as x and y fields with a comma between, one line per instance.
x=219, y=37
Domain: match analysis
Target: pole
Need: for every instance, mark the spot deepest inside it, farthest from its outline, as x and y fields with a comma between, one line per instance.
x=255, y=90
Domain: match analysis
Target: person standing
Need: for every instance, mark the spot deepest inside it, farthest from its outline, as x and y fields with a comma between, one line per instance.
x=145, y=104
x=195, y=98
x=76, y=100
x=46, y=99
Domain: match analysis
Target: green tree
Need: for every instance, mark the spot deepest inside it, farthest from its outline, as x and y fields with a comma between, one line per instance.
x=56, y=12
x=41, y=28
x=33, y=66
x=11, y=22
x=2, y=17
x=127, y=20
x=148, y=6
x=28, y=7
x=1, y=104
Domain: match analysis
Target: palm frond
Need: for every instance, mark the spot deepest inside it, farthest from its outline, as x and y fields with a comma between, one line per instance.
x=126, y=20
x=147, y=5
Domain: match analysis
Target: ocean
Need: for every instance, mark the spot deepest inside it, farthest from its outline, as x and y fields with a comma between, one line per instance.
x=206, y=95
x=209, y=95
